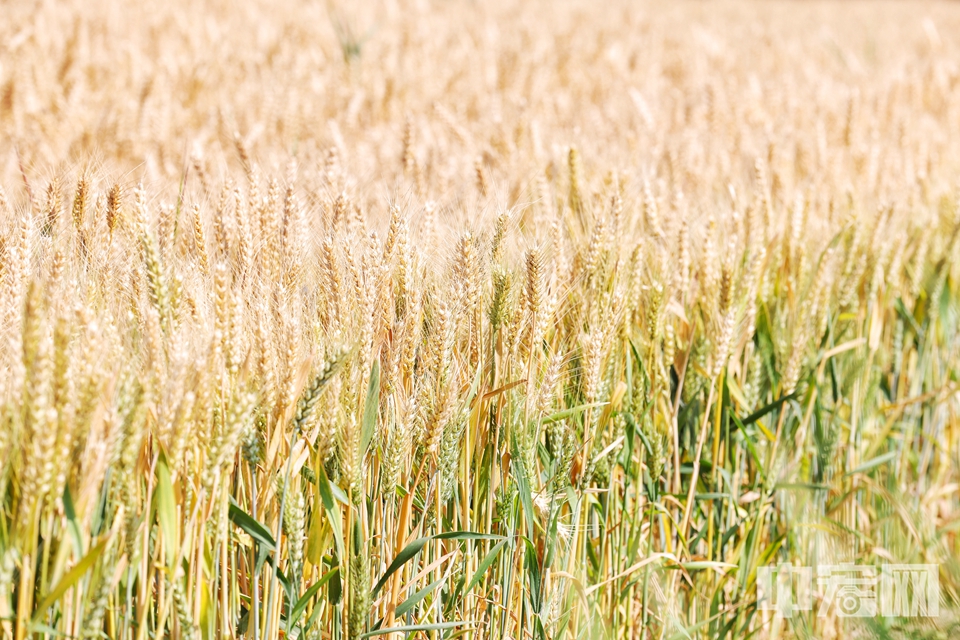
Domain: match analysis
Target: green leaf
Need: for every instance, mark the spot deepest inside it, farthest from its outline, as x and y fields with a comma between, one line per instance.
x=304, y=600
x=713, y=495
x=801, y=486
x=566, y=413
x=875, y=462
x=167, y=511
x=485, y=564
x=370, y=408
x=334, y=595
x=520, y=476
x=70, y=512
x=333, y=511
x=67, y=581
x=251, y=526
x=466, y=535
x=286, y=583
x=37, y=627
x=906, y=315
x=334, y=578
x=100, y=510
x=756, y=415
x=699, y=565
x=635, y=428
x=414, y=548
x=751, y=447
x=402, y=558
x=412, y=601
x=533, y=573
x=415, y=627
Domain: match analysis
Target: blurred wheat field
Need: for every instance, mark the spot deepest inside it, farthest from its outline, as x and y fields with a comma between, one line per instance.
x=454, y=319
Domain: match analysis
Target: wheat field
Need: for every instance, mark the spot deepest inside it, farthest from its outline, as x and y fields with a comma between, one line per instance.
x=447, y=319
